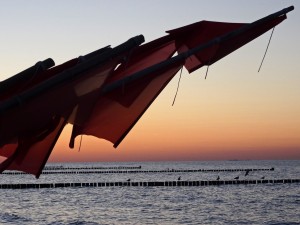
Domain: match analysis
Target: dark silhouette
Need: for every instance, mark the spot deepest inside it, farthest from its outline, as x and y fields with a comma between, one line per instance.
x=236, y=178
x=272, y=169
x=128, y=180
x=159, y=63
x=247, y=172
x=262, y=178
x=218, y=178
x=179, y=178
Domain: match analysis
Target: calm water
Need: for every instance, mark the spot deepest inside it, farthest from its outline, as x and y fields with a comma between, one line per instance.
x=229, y=204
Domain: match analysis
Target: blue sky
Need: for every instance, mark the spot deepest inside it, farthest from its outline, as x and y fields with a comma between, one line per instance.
x=33, y=30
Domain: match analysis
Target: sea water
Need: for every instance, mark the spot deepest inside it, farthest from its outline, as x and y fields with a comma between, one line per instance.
x=224, y=204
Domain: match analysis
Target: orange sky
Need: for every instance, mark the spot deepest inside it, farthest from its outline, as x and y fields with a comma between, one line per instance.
x=207, y=122
x=236, y=113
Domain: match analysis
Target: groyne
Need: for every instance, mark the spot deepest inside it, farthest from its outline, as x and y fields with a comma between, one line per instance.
x=147, y=184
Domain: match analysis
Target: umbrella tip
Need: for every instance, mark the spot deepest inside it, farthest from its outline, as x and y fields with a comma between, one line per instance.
x=288, y=9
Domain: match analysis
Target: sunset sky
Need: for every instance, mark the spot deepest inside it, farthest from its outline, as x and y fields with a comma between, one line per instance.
x=236, y=113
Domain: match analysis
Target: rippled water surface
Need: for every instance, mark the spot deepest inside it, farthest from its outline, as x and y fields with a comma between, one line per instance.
x=226, y=204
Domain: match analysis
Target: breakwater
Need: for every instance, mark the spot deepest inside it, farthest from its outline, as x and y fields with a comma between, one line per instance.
x=92, y=170
x=148, y=184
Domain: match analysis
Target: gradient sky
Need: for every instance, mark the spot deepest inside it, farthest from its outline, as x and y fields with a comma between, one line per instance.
x=236, y=113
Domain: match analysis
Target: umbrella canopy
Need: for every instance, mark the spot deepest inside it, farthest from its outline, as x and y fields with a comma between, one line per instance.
x=106, y=92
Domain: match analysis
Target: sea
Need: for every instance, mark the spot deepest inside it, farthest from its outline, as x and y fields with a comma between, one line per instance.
x=271, y=204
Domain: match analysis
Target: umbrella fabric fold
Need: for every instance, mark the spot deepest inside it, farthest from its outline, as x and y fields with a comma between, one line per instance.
x=106, y=92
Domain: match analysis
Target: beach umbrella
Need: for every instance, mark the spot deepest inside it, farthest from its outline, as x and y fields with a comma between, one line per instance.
x=106, y=92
